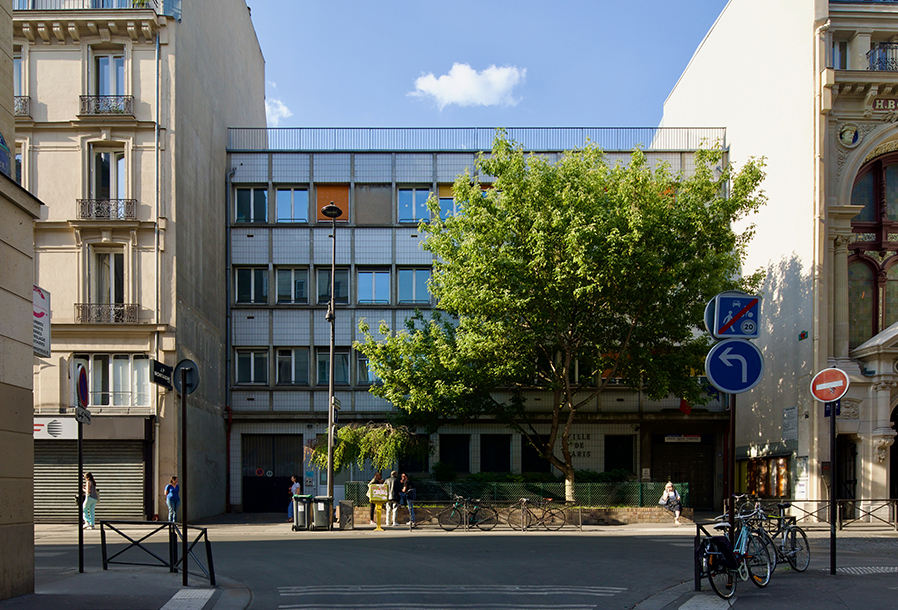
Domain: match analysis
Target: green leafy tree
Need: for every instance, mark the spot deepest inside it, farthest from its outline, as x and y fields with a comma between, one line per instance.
x=562, y=276
x=381, y=443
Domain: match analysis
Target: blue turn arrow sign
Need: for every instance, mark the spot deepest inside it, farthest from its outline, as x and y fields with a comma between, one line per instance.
x=734, y=366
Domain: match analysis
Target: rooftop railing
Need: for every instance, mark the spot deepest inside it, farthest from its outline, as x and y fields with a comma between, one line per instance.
x=536, y=139
x=64, y=5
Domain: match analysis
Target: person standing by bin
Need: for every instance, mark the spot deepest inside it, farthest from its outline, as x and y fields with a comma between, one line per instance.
x=407, y=497
x=91, y=496
x=295, y=490
x=173, y=498
x=377, y=480
x=393, y=489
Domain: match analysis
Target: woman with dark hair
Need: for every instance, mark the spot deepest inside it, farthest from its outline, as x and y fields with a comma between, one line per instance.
x=90, y=500
x=173, y=498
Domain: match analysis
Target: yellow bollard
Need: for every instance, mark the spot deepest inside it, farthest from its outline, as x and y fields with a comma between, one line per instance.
x=378, y=507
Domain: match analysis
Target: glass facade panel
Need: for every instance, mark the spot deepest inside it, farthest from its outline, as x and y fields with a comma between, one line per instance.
x=890, y=313
x=861, y=303
x=862, y=194
x=412, y=286
x=341, y=286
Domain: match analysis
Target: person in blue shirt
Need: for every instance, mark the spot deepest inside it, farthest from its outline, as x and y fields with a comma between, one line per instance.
x=173, y=498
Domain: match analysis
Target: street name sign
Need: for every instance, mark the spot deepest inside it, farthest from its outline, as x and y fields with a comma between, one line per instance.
x=829, y=385
x=734, y=366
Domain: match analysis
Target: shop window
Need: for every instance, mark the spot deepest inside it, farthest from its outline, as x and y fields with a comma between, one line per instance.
x=766, y=477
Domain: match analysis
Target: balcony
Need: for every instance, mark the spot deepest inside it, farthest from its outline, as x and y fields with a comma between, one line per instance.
x=107, y=105
x=107, y=209
x=63, y=5
x=22, y=105
x=106, y=313
x=883, y=57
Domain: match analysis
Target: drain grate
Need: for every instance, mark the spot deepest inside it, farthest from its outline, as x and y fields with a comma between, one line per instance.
x=863, y=571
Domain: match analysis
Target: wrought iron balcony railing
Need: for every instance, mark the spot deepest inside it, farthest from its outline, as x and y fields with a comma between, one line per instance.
x=106, y=313
x=883, y=57
x=58, y=5
x=107, y=209
x=107, y=105
x=22, y=105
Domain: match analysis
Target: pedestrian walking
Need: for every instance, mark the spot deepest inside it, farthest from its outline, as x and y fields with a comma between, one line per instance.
x=173, y=498
x=670, y=500
x=91, y=497
x=295, y=489
x=393, y=489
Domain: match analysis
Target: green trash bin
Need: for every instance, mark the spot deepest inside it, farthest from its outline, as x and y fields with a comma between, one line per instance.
x=301, y=509
x=322, y=512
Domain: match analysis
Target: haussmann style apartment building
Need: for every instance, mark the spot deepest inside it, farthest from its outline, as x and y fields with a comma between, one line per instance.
x=815, y=90
x=279, y=266
x=121, y=115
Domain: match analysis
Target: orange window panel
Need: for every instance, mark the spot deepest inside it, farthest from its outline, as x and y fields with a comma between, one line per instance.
x=336, y=193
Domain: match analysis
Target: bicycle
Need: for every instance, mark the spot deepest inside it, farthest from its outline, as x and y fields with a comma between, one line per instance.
x=725, y=565
x=793, y=543
x=470, y=512
x=553, y=519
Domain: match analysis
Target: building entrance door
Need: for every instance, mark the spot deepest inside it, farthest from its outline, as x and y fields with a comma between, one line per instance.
x=268, y=462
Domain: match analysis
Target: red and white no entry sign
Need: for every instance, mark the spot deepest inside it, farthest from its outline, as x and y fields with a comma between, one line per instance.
x=829, y=385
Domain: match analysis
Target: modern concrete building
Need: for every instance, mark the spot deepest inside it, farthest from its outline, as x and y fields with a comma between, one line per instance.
x=122, y=108
x=279, y=265
x=18, y=210
x=815, y=90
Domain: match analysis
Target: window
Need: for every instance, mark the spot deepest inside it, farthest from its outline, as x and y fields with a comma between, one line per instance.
x=109, y=74
x=766, y=477
x=107, y=174
x=107, y=275
x=293, y=366
x=447, y=201
x=413, y=286
x=118, y=380
x=530, y=458
x=840, y=54
x=495, y=453
x=341, y=365
x=620, y=452
x=341, y=286
x=252, y=366
x=455, y=451
x=293, y=285
x=18, y=176
x=252, y=285
x=252, y=205
x=366, y=375
x=413, y=204
x=292, y=204
x=18, y=76
x=374, y=288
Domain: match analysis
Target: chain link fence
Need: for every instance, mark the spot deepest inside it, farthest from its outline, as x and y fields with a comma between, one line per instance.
x=587, y=494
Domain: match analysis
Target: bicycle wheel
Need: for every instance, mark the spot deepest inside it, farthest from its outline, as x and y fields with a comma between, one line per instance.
x=722, y=579
x=770, y=545
x=797, y=551
x=758, y=560
x=450, y=519
x=486, y=518
x=520, y=518
x=553, y=519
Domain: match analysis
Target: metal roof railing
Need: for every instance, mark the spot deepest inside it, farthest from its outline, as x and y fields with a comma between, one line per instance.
x=64, y=5
x=473, y=139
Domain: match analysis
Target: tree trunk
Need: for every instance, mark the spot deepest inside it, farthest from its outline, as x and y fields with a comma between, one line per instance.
x=569, y=494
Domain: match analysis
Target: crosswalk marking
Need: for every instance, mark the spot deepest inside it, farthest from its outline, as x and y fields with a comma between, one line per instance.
x=444, y=589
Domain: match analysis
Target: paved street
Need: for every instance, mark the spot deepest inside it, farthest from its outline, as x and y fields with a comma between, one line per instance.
x=646, y=567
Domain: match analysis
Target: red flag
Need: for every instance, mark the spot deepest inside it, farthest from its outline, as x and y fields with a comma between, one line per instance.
x=685, y=407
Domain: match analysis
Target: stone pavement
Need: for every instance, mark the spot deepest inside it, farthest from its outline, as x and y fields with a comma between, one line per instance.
x=866, y=577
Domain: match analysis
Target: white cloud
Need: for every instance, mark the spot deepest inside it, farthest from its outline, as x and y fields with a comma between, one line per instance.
x=275, y=111
x=273, y=84
x=465, y=86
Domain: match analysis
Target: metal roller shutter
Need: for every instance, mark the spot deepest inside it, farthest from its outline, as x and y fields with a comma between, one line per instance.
x=117, y=467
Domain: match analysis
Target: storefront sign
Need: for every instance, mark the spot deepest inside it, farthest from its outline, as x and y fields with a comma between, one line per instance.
x=885, y=104
x=40, y=321
x=55, y=428
x=683, y=438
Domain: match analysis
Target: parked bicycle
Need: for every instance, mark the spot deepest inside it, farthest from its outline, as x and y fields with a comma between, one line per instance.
x=470, y=512
x=724, y=565
x=786, y=539
x=522, y=517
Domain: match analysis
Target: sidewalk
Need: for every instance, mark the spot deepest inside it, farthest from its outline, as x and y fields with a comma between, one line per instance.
x=867, y=562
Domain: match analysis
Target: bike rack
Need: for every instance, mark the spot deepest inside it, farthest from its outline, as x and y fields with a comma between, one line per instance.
x=174, y=535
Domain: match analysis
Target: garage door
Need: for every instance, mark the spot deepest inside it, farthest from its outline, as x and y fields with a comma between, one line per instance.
x=118, y=469
x=691, y=463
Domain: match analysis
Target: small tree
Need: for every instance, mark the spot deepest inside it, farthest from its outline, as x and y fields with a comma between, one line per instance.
x=576, y=266
x=381, y=443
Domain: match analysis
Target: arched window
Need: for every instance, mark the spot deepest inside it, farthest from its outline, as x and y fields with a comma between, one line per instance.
x=873, y=264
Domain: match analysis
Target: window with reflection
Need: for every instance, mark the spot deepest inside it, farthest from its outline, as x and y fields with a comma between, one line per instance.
x=872, y=262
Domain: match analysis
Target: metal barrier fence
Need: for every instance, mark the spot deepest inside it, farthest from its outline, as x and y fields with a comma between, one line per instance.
x=534, y=139
x=586, y=494
x=881, y=512
x=174, y=535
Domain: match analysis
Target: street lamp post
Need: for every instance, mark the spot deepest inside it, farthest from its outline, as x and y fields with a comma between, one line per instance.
x=332, y=212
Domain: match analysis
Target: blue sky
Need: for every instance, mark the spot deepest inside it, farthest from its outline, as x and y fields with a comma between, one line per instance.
x=487, y=63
